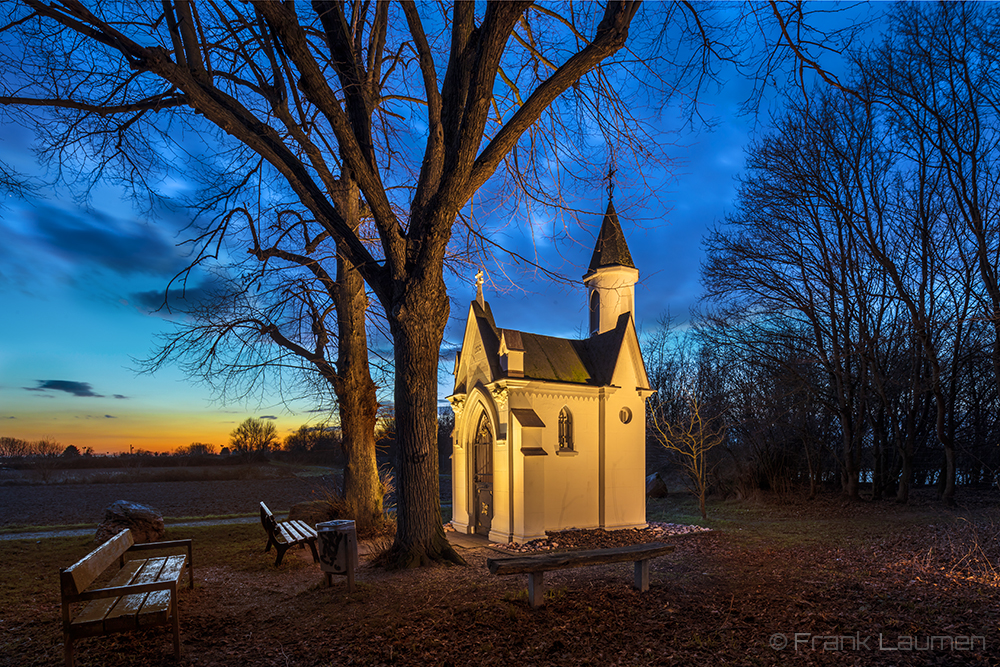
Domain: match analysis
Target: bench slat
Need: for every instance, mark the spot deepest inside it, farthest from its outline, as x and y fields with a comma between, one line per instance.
x=295, y=532
x=124, y=615
x=565, y=560
x=91, y=617
x=290, y=532
x=267, y=518
x=156, y=608
x=77, y=577
x=307, y=531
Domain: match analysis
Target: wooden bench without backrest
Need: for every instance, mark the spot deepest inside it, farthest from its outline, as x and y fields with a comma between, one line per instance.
x=286, y=534
x=535, y=566
x=143, y=593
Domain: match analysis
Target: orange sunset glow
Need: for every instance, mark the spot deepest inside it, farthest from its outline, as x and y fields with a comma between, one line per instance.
x=160, y=432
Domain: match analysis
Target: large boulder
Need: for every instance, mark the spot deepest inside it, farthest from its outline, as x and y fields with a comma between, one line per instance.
x=655, y=486
x=145, y=522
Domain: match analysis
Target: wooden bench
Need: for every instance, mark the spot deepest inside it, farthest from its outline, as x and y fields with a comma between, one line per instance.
x=537, y=565
x=286, y=534
x=142, y=594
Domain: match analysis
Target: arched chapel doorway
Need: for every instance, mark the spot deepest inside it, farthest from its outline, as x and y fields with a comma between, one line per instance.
x=482, y=481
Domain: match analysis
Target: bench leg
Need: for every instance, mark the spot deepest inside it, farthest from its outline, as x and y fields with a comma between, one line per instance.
x=68, y=649
x=312, y=545
x=536, y=590
x=177, y=626
x=280, y=549
x=642, y=575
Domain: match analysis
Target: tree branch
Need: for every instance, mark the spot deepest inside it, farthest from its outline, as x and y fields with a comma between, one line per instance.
x=610, y=36
x=157, y=103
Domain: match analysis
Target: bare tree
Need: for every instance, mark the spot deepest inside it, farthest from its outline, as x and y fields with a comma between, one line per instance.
x=196, y=449
x=254, y=436
x=934, y=75
x=691, y=437
x=14, y=447
x=310, y=438
x=284, y=322
x=788, y=258
x=870, y=218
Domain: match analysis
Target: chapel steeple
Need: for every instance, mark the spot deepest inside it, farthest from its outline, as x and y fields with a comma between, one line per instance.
x=612, y=275
x=611, y=248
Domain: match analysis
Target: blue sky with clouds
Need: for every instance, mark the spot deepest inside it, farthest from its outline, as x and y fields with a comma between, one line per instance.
x=78, y=281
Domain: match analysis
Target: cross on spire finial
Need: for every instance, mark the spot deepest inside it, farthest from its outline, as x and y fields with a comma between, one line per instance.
x=611, y=179
x=479, y=287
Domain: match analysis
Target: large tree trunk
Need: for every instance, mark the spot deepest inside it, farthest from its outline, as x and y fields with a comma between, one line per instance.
x=356, y=392
x=905, y=478
x=880, y=464
x=946, y=484
x=810, y=467
x=356, y=396
x=906, y=456
x=850, y=473
x=417, y=323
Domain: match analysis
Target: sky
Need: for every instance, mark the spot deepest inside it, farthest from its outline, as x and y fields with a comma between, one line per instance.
x=79, y=282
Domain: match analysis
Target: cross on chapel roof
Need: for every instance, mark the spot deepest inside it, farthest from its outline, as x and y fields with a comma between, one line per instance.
x=479, y=287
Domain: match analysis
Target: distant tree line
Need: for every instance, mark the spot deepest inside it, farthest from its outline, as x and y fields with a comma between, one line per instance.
x=851, y=329
x=16, y=447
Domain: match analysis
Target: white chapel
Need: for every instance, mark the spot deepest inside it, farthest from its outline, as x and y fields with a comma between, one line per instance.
x=550, y=432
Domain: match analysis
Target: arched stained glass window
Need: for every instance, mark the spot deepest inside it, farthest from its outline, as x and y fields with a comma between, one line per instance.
x=565, y=430
x=483, y=435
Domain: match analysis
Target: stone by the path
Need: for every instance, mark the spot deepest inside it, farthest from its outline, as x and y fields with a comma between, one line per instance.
x=145, y=522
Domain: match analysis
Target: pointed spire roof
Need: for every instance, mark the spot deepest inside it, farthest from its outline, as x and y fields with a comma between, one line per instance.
x=611, y=249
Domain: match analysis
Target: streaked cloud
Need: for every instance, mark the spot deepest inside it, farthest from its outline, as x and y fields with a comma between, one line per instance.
x=126, y=247
x=155, y=300
x=82, y=389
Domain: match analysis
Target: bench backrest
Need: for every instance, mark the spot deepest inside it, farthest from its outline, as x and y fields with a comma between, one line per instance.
x=75, y=578
x=545, y=562
x=267, y=519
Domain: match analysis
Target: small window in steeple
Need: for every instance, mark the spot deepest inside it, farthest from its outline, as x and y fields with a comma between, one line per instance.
x=565, y=431
x=595, y=312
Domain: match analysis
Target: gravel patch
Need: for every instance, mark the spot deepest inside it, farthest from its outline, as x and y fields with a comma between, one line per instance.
x=600, y=539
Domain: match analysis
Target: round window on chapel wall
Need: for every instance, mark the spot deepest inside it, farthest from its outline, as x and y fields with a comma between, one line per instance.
x=625, y=415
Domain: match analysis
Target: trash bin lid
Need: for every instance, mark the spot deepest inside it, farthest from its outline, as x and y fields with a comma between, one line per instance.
x=339, y=524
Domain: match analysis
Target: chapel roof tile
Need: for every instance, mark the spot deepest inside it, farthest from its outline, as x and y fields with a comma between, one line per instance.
x=590, y=361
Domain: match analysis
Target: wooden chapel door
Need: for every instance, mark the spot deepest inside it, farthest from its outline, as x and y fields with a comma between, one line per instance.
x=482, y=481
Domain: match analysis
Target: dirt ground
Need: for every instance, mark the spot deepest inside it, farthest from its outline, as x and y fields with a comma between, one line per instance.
x=820, y=582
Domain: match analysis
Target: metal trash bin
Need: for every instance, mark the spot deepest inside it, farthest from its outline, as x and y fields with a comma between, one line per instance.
x=338, y=550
